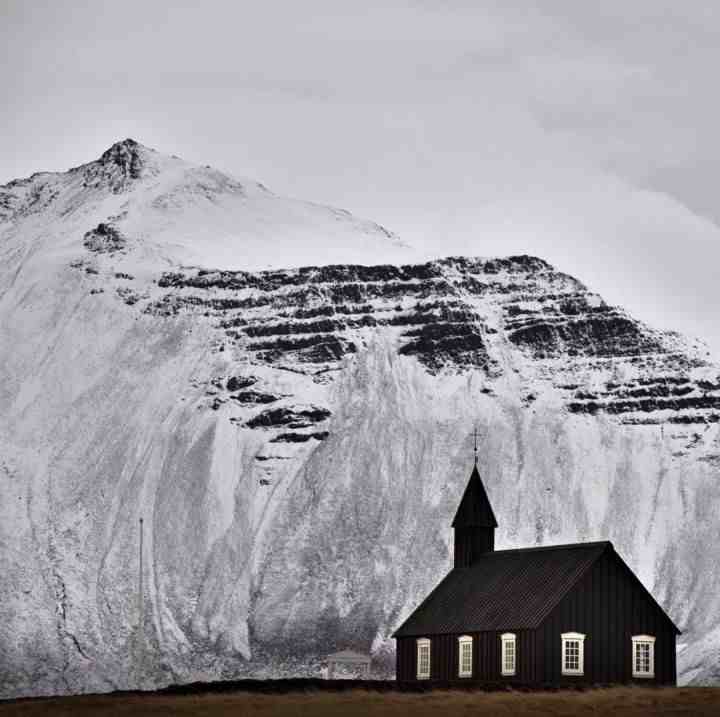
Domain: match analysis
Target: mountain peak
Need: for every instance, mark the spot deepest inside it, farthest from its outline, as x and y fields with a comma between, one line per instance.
x=198, y=214
x=128, y=142
x=122, y=164
x=127, y=155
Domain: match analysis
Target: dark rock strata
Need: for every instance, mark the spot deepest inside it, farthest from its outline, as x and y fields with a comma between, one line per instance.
x=287, y=417
x=255, y=397
x=316, y=311
x=671, y=399
x=451, y=315
x=104, y=239
x=235, y=383
x=299, y=437
x=573, y=328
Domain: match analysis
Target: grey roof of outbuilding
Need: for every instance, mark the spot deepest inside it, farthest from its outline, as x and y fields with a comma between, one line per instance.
x=504, y=589
x=348, y=656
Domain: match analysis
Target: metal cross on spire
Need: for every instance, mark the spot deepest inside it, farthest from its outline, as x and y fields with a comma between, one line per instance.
x=475, y=446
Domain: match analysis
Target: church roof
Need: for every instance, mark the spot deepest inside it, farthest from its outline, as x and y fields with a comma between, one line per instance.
x=504, y=589
x=474, y=509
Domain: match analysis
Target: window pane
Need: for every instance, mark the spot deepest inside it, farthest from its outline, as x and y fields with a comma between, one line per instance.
x=509, y=656
x=466, y=657
x=572, y=655
x=424, y=660
x=642, y=657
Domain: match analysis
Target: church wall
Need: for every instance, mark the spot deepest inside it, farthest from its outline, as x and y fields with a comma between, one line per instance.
x=444, y=658
x=609, y=607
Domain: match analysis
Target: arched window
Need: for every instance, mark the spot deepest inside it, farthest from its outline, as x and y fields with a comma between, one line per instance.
x=573, y=653
x=423, y=658
x=465, y=656
x=643, y=656
x=508, y=654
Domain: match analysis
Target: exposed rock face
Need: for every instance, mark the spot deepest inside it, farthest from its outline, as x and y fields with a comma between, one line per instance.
x=255, y=397
x=297, y=440
x=105, y=238
x=447, y=313
x=126, y=157
x=321, y=305
x=297, y=418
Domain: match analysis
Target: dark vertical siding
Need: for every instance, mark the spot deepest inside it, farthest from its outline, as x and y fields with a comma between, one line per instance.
x=609, y=607
x=487, y=652
x=470, y=543
x=405, y=667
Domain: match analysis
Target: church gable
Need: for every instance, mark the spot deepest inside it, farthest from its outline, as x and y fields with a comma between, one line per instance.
x=619, y=593
x=610, y=608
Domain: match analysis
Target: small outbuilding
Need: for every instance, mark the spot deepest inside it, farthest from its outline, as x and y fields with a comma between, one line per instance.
x=355, y=662
x=545, y=616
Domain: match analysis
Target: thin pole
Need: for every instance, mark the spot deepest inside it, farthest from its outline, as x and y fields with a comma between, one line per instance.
x=141, y=621
x=475, y=448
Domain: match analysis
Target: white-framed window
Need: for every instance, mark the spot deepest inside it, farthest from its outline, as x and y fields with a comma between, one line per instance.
x=643, y=651
x=508, y=653
x=573, y=653
x=465, y=656
x=423, y=658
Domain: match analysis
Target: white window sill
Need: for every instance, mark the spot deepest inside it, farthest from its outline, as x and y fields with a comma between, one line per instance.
x=508, y=674
x=465, y=674
x=572, y=674
x=644, y=675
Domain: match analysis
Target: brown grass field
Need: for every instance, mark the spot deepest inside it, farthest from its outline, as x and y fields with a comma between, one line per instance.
x=618, y=702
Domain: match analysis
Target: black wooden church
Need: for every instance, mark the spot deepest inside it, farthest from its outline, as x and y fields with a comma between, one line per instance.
x=560, y=615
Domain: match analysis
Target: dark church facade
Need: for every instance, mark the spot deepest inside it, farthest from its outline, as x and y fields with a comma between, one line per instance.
x=552, y=616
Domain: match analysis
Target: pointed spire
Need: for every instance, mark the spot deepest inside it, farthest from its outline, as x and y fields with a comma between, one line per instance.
x=475, y=509
x=474, y=523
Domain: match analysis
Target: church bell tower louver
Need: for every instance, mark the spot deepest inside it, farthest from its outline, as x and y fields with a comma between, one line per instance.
x=474, y=522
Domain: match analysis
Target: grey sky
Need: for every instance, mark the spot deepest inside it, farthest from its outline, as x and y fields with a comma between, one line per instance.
x=584, y=133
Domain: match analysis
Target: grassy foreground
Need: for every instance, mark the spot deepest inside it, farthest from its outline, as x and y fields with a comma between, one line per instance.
x=618, y=702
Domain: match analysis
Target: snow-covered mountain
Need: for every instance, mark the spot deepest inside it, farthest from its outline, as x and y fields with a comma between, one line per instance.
x=286, y=395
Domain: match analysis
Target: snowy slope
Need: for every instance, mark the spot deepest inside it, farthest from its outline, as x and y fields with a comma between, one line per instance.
x=196, y=215
x=297, y=437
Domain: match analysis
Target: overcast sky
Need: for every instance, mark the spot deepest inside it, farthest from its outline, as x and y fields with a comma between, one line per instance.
x=585, y=133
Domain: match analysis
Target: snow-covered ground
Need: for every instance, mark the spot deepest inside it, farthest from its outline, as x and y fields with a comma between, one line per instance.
x=297, y=439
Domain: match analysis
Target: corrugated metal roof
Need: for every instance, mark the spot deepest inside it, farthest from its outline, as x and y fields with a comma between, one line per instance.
x=474, y=509
x=504, y=589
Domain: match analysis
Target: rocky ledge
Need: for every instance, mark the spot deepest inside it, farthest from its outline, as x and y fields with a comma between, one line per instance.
x=451, y=315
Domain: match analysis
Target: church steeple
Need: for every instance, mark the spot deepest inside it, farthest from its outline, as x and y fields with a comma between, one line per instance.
x=474, y=522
